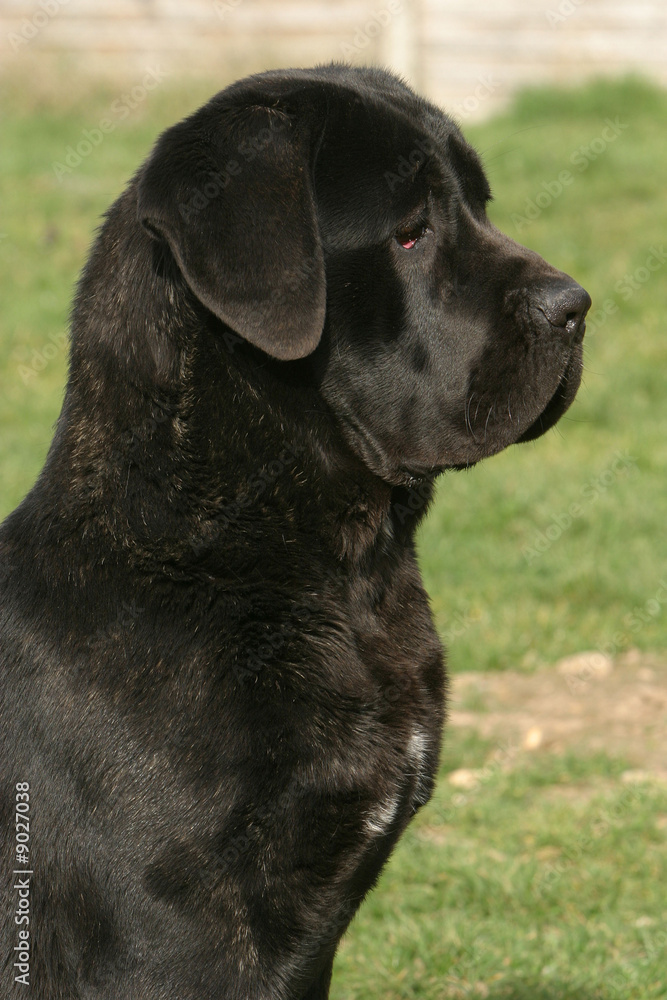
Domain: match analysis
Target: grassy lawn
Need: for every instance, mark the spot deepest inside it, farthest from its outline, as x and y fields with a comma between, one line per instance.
x=546, y=881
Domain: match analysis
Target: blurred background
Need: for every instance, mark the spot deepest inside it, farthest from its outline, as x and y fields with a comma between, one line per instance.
x=467, y=54
x=538, y=871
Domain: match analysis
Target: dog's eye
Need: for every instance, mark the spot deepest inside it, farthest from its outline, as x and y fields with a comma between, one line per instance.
x=411, y=235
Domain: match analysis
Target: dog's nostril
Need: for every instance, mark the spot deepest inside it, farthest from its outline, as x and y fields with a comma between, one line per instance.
x=565, y=304
x=568, y=306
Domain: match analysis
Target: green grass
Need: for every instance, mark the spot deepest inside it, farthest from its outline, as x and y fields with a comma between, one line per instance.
x=545, y=882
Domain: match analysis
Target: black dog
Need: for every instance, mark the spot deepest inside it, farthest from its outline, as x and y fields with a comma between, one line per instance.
x=222, y=691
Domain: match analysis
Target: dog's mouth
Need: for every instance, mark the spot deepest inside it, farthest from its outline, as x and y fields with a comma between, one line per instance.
x=461, y=442
x=562, y=398
x=557, y=404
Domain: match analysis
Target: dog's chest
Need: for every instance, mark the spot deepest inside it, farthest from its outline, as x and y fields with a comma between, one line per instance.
x=403, y=677
x=412, y=783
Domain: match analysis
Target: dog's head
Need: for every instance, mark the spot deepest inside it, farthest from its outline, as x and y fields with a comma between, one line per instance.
x=333, y=214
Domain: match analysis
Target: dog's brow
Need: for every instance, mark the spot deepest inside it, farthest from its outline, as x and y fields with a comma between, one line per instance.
x=468, y=169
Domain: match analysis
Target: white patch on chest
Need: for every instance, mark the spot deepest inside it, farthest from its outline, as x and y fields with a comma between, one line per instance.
x=417, y=750
x=418, y=754
x=379, y=820
x=382, y=816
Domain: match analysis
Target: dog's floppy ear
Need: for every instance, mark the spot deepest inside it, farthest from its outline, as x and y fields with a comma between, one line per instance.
x=230, y=192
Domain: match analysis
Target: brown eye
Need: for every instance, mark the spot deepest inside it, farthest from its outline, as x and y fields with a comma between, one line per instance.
x=408, y=237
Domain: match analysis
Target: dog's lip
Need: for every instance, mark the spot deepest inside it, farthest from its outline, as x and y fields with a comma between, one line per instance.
x=560, y=400
x=555, y=407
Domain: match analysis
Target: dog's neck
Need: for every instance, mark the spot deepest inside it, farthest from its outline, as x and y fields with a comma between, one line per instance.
x=186, y=447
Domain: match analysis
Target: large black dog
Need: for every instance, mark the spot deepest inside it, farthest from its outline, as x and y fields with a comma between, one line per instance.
x=222, y=691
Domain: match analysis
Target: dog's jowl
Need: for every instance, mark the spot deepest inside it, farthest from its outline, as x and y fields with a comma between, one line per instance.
x=221, y=687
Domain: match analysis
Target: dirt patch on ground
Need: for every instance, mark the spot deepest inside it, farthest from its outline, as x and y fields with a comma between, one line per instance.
x=587, y=702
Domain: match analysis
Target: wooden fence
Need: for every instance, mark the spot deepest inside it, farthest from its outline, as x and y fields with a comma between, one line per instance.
x=468, y=55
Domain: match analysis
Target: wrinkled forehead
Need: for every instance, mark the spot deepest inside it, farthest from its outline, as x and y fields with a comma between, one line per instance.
x=374, y=166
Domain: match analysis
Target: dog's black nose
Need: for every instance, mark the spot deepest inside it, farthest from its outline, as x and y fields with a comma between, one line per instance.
x=564, y=303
